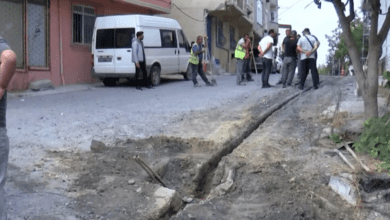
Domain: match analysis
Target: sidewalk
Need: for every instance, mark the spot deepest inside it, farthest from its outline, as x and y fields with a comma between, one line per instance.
x=54, y=90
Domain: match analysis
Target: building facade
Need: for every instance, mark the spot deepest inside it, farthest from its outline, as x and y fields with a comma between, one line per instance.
x=52, y=38
x=224, y=22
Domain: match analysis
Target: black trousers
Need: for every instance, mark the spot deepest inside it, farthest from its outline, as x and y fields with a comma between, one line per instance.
x=145, y=81
x=306, y=65
x=267, y=66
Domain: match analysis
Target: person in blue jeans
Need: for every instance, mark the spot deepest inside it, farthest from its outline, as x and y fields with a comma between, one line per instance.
x=7, y=70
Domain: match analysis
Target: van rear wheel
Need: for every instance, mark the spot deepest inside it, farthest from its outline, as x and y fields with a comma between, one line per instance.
x=109, y=82
x=155, y=77
x=187, y=74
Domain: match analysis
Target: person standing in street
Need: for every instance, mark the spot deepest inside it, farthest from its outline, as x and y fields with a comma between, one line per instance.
x=247, y=59
x=7, y=70
x=287, y=38
x=196, y=62
x=239, y=54
x=299, y=60
x=139, y=59
x=265, y=48
x=290, y=59
x=308, y=46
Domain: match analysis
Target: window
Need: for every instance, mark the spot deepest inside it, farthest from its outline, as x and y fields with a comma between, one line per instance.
x=12, y=27
x=124, y=37
x=221, y=40
x=260, y=12
x=168, y=39
x=105, y=39
x=233, y=43
x=183, y=43
x=83, y=22
x=114, y=38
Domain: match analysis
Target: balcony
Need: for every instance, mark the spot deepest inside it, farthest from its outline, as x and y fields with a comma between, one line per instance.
x=237, y=4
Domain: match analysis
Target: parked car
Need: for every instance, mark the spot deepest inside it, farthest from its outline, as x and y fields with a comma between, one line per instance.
x=167, y=50
x=278, y=63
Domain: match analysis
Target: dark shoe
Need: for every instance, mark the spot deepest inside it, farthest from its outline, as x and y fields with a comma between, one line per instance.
x=241, y=84
x=280, y=82
x=270, y=85
x=138, y=88
x=250, y=80
x=209, y=84
x=266, y=86
x=300, y=87
x=284, y=86
x=196, y=85
x=149, y=87
x=288, y=84
x=315, y=87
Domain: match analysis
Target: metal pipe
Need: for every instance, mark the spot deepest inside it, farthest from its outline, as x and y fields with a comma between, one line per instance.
x=149, y=170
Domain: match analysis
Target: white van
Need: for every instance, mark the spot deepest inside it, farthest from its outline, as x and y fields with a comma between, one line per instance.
x=166, y=48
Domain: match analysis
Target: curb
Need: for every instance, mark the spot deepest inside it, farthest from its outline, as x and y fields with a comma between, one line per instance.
x=233, y=142
x=53, y=91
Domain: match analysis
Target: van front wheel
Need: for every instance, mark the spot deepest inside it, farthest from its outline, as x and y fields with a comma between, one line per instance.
x=155, y=77
x=109, y=82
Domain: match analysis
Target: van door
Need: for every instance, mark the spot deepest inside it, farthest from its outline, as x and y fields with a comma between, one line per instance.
x=123, y=52
x=170, y=56
x=105, y=51
x=184, y=51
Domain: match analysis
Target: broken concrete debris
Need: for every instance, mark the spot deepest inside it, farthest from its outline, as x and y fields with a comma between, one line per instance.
x=344, y=188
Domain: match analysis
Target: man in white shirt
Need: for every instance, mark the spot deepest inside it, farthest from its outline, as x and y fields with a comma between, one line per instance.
x=265, y=49
x=307, y=46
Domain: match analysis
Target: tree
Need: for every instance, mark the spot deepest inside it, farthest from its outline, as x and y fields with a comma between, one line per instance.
x=368, y=82
x=357, y=34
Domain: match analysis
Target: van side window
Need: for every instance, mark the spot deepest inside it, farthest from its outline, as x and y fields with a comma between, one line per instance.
x=124, y=37
x=105, y=39
x=168, y=39
x=183, y=43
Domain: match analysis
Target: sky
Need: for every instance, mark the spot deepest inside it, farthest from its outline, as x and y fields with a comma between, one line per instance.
x=319, y=21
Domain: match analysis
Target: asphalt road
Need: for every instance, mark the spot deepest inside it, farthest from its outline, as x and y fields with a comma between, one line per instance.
x=40, y=123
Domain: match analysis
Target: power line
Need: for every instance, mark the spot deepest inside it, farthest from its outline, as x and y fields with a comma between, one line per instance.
x=290, y=7
x=187, y=14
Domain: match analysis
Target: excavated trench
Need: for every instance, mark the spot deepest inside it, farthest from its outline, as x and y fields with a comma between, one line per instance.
x=112, y=185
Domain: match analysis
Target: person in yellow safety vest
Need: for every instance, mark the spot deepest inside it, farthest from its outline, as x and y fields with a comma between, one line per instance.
x=196, y=62
x=239, y=54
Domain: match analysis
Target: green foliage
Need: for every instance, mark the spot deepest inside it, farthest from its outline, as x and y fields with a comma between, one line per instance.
x=386, y=75
x=335, y=138
x=323, y=70
x=375, y=140
x=357, y=34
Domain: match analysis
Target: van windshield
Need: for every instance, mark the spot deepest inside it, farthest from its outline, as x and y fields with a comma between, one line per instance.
x=114, y=38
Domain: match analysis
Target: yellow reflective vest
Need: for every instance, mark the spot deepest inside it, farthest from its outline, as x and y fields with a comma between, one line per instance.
x=240, y=52
x=194, y=58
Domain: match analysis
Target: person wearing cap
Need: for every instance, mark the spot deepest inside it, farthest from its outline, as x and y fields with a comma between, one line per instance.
x=265, y=48
x=7, y=70
x=139, y=59
x=290, y=59
x=307, y=46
